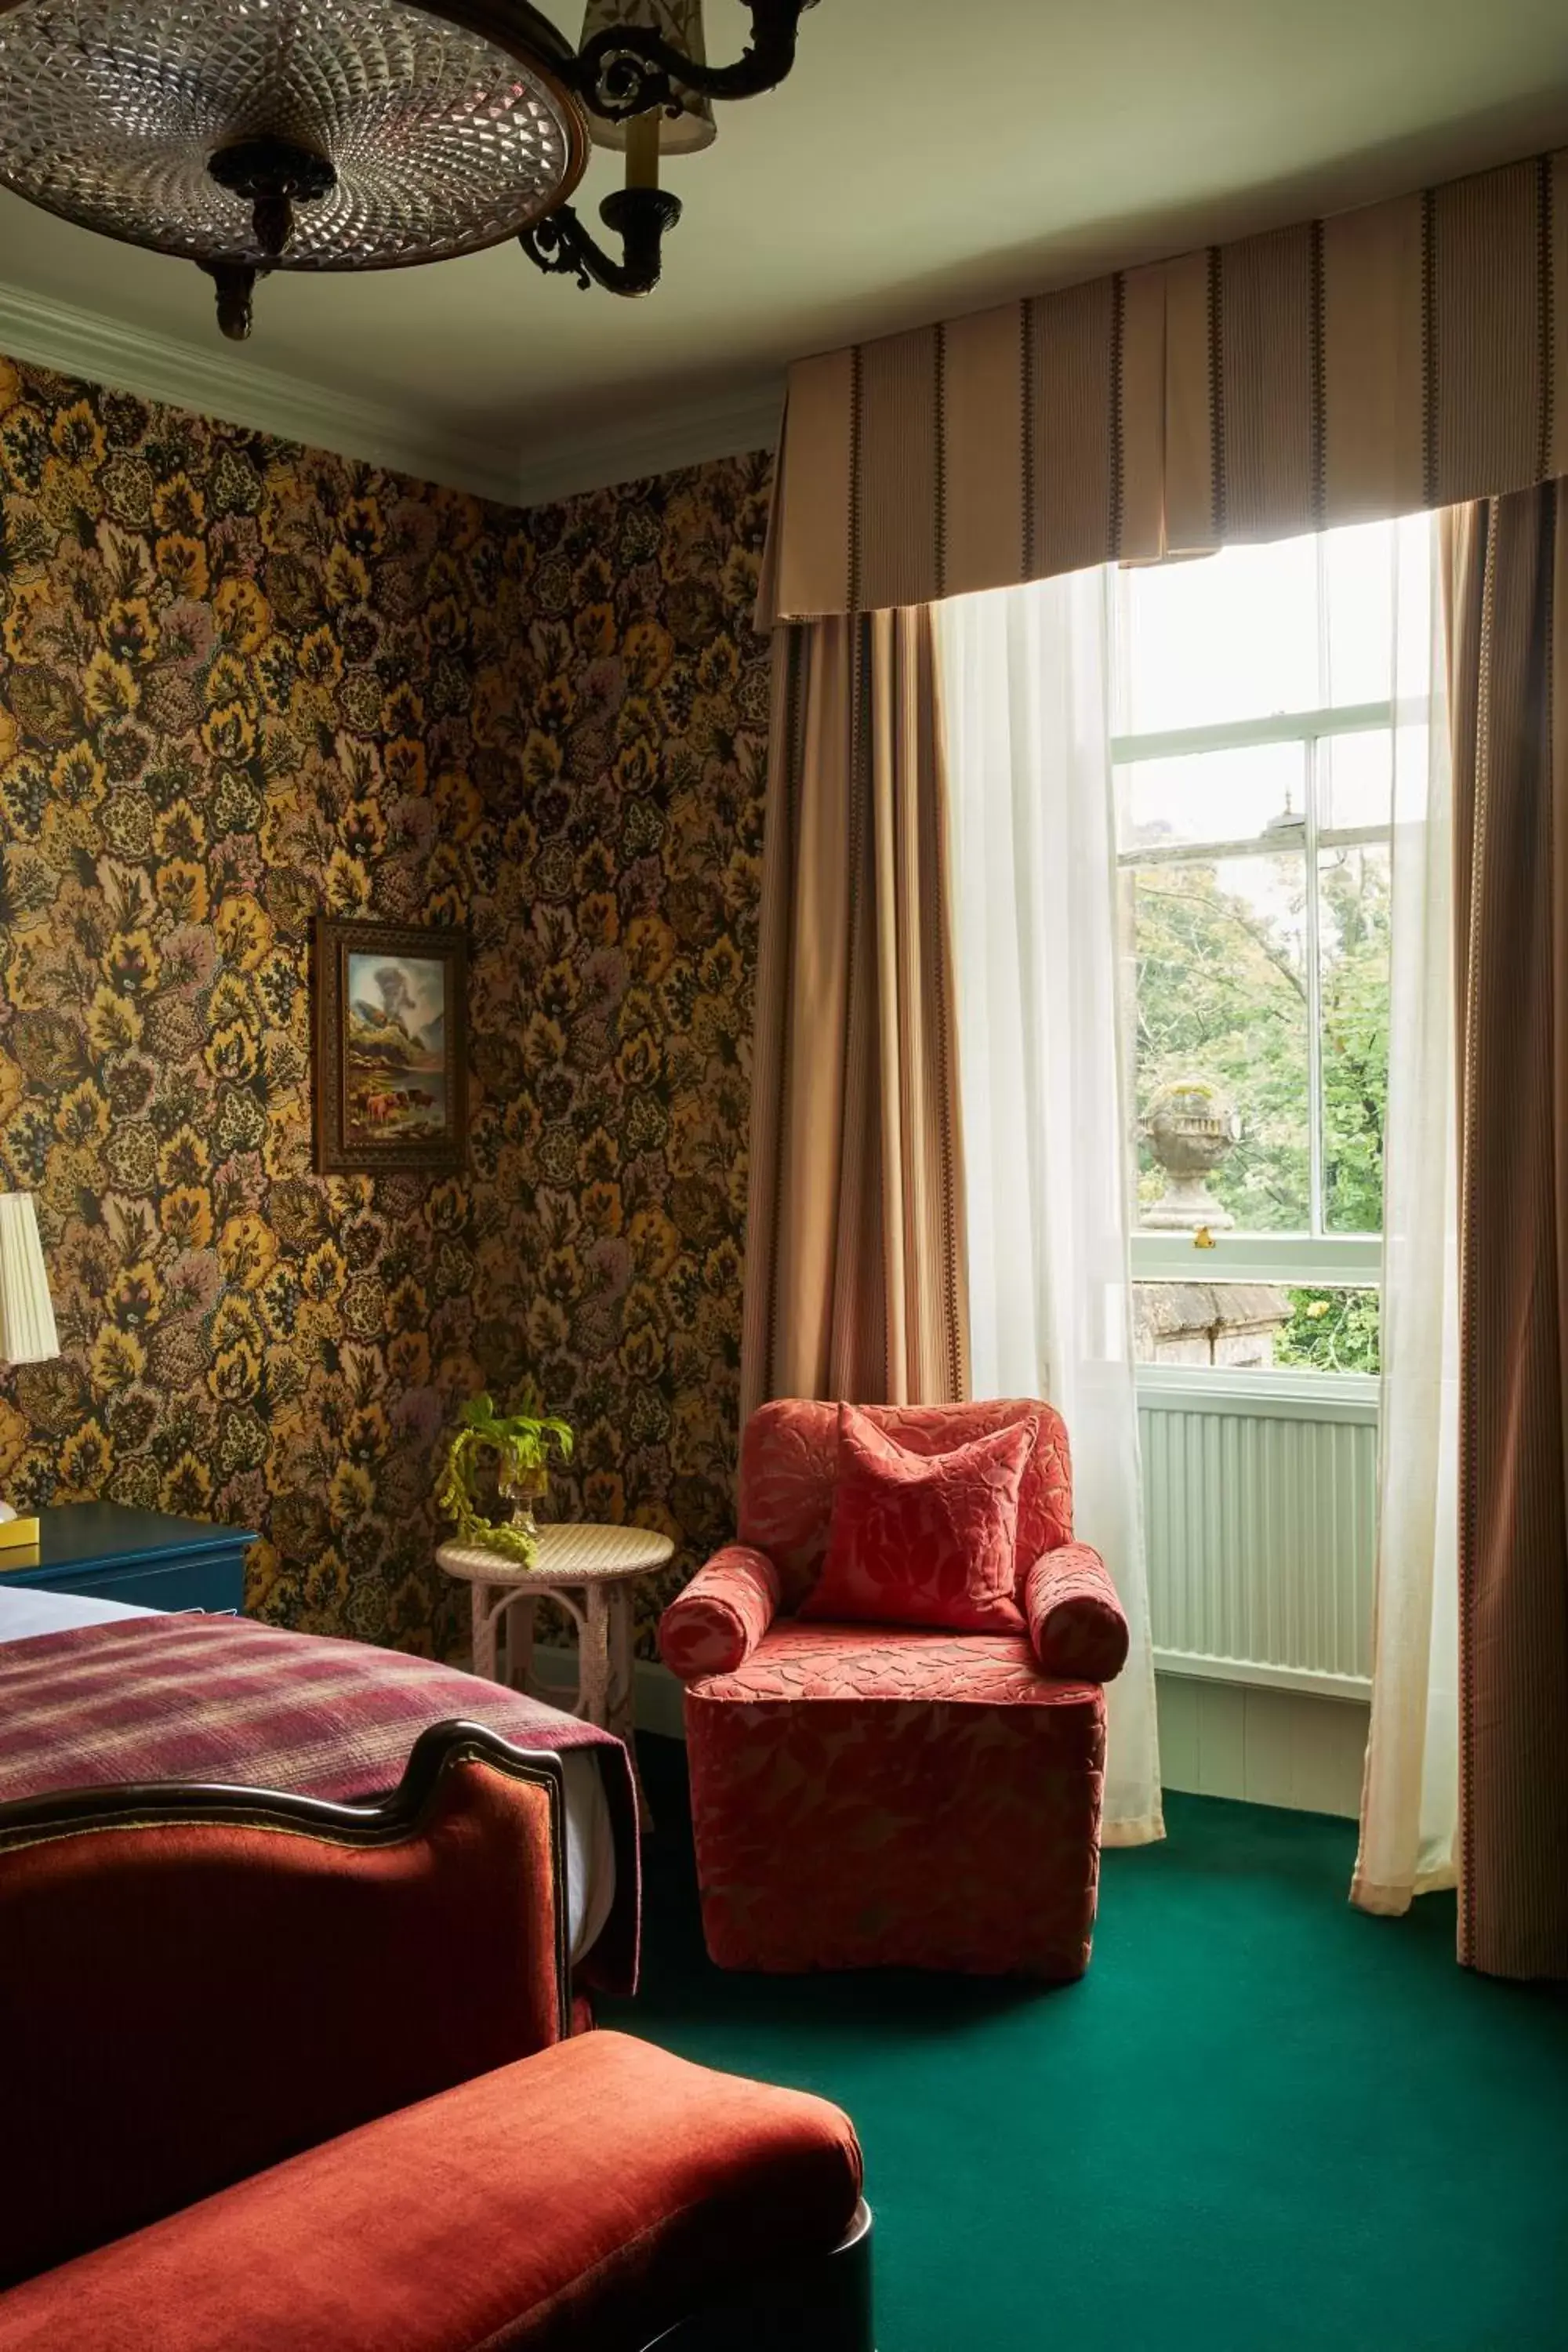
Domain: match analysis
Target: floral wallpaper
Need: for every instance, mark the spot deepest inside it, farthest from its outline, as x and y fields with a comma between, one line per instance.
x=239, y=682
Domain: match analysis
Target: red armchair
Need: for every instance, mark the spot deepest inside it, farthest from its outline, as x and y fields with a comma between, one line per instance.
x=873, y=1795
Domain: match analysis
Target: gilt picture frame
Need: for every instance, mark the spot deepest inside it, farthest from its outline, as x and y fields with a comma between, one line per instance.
x=391, y=1048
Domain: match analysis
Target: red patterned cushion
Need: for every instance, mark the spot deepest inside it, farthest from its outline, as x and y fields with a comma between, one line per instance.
x=789, y=1452
x=922, y=1539
x=798, y=1665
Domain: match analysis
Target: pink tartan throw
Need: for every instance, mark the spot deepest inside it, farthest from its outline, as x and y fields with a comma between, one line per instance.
x=222, y=1698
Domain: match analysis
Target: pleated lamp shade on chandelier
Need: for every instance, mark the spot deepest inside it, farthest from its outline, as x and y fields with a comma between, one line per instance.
x=363, y=135
x=679, y=22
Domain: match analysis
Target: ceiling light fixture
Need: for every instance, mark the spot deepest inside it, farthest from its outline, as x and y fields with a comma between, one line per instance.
x=362, y=134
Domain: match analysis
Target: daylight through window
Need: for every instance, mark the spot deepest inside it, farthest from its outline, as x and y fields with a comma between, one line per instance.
x=1262, y=696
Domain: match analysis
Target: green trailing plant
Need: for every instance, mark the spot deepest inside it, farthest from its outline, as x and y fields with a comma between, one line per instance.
x=521, y=1442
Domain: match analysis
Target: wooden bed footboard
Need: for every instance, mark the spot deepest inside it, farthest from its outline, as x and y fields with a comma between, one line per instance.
x=199, y=1982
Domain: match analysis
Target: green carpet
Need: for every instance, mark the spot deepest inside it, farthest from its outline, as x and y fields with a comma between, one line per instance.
x=1262, y=2122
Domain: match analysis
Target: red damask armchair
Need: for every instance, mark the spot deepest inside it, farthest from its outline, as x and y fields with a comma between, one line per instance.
x=868, y=1795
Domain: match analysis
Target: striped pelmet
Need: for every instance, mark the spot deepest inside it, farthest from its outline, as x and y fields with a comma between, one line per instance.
x=1071, y=483
x=1488, y=366
x=1407, y=354
x=1266, y=383
x=1508, y=618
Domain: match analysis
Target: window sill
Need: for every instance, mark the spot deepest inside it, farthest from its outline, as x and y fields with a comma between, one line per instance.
x=1276, y=1395
x=1182, y=1666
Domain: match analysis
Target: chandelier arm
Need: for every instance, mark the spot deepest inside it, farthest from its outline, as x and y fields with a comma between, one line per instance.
x=561, y=246
x=628, y=69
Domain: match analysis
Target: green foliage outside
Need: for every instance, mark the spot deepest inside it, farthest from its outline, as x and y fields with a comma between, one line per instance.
x=1332, y=1331
x=1222, y=994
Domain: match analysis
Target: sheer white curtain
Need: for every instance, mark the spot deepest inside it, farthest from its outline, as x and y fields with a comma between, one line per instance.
x=1024, y=687
x=1410, y=1793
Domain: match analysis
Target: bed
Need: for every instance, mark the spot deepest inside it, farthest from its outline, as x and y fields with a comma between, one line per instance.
x=94, y=1692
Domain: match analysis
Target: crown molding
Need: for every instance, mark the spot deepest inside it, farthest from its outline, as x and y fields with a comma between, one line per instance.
x=684, y=433
x=79, y=343
x=161, y=367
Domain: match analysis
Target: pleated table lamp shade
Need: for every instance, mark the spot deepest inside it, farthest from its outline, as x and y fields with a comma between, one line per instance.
x=26, y=1315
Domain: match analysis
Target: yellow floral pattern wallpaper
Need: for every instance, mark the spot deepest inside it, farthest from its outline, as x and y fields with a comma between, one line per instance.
x=239, y=682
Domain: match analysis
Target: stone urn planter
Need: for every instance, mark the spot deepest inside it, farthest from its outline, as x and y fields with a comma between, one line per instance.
x=1190, y=1126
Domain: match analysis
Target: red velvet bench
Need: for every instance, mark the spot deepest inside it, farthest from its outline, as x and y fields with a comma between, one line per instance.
x=297, y=2077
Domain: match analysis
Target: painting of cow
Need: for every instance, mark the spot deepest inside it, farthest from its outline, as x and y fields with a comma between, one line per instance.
x=390, y=1042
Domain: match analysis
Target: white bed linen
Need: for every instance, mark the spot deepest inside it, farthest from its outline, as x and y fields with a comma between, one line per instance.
x=25, y=1613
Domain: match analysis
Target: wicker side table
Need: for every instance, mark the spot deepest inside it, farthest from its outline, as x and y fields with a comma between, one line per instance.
x=592, y=1571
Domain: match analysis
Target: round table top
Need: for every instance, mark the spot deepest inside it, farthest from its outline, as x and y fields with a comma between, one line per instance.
x=573, y=1551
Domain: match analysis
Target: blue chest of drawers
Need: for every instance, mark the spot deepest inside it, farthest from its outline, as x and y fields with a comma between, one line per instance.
x=147, y=1558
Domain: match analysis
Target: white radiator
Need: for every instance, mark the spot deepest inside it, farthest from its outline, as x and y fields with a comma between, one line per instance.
x=1260, y=1514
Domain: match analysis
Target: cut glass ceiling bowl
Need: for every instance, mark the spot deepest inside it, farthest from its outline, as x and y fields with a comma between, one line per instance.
x=429, y=138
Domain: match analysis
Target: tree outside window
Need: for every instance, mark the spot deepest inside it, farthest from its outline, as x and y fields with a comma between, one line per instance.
x=1256, y=730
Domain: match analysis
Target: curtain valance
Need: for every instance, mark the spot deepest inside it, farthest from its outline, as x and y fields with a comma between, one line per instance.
x=1411, y=355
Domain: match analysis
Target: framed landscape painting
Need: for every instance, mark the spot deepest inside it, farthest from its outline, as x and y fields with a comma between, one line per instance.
x=391, y=1048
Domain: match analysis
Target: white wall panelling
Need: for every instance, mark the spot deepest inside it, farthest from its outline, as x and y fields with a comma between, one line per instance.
x=1265, y=1746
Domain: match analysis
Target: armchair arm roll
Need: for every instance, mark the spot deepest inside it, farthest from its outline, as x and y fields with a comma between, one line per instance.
x=715, y=1624
x=1076, y=1622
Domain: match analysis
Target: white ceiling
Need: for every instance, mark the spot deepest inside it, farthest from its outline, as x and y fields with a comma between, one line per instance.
x=926, y=157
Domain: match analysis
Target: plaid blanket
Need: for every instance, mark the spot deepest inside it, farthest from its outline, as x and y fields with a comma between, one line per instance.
x=222, y=1698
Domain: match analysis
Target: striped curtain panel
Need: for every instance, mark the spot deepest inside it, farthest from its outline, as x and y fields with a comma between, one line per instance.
x=1507, y=563
x=854, y=1270
x=1396, y=358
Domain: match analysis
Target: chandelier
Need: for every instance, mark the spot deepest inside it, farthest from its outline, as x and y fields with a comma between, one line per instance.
x=254, y=135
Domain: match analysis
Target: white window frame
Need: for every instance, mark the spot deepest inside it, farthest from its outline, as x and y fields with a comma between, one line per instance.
x=1316, y=1257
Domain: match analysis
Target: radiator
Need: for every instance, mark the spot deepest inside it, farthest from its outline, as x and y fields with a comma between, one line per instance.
x=1260, y=1520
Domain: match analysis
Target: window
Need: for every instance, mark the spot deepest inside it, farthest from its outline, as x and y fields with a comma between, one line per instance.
x=1262, y=696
